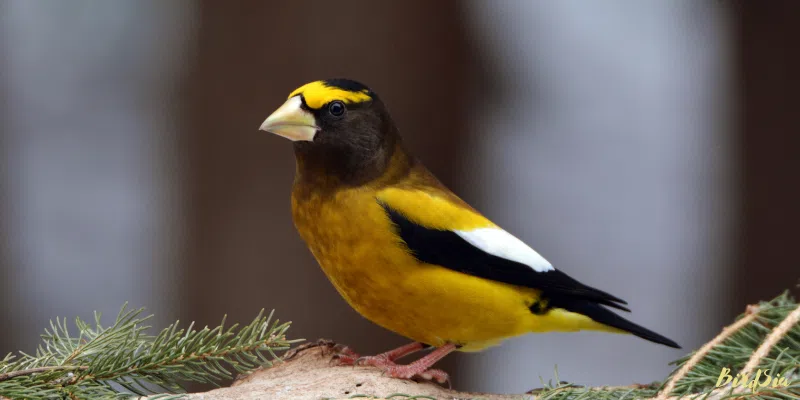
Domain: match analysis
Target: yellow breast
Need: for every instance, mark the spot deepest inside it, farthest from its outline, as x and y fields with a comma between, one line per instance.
x=354, y=242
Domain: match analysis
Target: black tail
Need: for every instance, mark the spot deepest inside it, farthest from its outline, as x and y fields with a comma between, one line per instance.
x=600, y=314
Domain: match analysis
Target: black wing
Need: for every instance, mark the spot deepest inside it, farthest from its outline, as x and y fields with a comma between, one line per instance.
x=449, y=250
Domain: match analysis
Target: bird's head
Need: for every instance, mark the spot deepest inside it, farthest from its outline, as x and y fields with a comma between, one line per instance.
x=332, y=110
x=337, y=125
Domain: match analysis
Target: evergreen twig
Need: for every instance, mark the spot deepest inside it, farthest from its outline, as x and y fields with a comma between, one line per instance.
x=774, y=337
x=766, y=336
x=750, y=314
x=122, y=360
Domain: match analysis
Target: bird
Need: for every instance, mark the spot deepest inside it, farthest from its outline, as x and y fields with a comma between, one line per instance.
x=406, y=252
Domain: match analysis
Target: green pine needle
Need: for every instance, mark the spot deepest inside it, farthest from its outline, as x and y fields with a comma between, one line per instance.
x=122, y=360
x=732, y=353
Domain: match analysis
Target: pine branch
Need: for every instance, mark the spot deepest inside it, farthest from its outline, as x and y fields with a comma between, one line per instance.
x=739, y=352
x=767, y=336
x=14, y=374
x=122, y=360
x=750, y=314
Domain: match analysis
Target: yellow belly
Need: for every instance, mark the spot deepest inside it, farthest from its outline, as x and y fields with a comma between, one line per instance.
x=354, y=243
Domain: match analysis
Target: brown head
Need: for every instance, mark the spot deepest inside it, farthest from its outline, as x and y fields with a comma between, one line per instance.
x=341, y=130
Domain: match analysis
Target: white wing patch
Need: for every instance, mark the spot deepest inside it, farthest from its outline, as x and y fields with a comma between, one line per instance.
x=502, y=244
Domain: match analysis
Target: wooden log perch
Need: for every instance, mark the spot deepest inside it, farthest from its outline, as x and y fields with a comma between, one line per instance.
x=310, y=372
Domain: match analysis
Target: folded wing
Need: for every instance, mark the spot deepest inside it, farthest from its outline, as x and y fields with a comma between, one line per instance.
x=490, y=253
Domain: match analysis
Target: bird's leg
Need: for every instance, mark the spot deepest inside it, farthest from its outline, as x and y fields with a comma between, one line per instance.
x=420, y=367
x=388, y=358
x=346, y=356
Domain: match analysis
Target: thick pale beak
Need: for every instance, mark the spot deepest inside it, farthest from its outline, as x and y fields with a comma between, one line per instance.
x=291, y=121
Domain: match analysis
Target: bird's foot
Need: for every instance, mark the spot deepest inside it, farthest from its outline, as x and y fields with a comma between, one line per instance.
x=344, y=355
x=421, y=367
x=386, y=361
x=417, y=371
x=390, y=368
x=381, y=361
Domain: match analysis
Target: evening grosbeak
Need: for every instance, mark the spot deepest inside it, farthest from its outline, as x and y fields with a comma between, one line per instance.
x=407, y=253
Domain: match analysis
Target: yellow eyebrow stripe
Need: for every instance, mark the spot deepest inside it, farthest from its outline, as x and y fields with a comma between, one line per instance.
x=317, y=94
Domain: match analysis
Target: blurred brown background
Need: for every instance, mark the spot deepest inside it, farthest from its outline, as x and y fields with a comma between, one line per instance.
x=132, y=169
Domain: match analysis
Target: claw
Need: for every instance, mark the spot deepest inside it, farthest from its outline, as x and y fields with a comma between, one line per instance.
x=385, y=361
x=408, y=372
x=346, y=350
x=345, y=355
x=379, y=361
x=436, y=375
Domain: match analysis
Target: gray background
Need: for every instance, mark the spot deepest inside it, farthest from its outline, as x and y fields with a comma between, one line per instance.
x=645, y=148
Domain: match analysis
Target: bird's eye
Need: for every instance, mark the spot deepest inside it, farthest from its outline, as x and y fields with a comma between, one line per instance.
x=337, y=108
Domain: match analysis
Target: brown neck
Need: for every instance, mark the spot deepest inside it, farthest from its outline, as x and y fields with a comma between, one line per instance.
x=328, y=168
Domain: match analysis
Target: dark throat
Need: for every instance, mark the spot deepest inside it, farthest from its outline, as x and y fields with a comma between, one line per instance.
x=327, y=167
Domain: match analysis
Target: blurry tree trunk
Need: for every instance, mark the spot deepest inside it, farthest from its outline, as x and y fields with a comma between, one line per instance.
x=250, y=55
x=769, y=143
